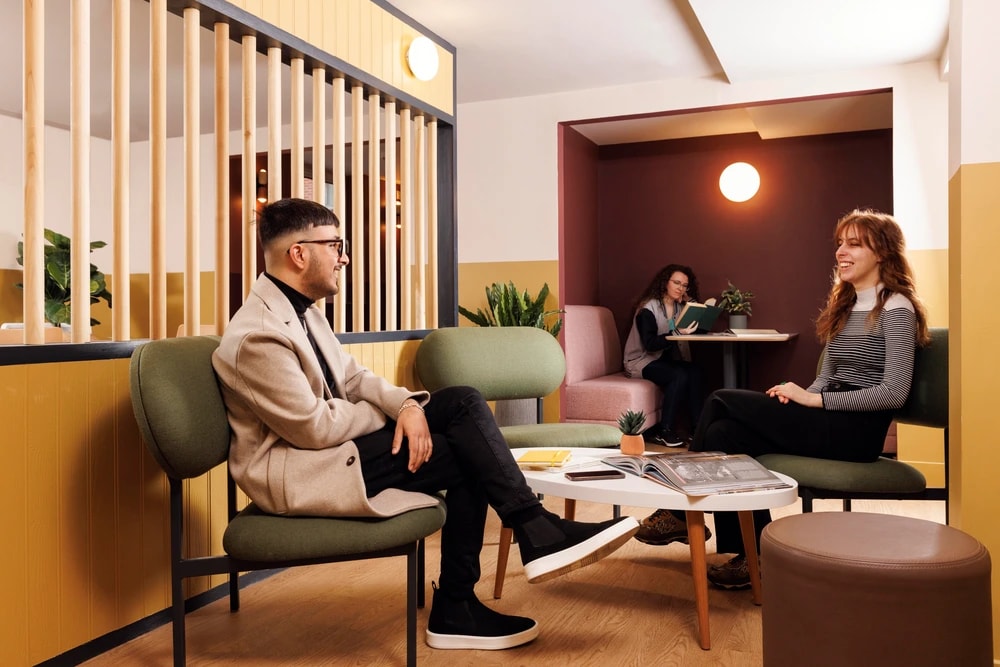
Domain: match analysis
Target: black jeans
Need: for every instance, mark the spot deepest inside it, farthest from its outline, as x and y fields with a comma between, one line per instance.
x=470, y=461
x=681, y=382
x=737, y=421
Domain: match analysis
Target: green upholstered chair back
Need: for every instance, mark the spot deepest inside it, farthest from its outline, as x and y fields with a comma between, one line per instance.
x=178, y=405
x=927, y=404
x=501, y=362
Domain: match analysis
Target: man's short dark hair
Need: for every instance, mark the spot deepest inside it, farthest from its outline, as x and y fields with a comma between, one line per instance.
x=292, y=215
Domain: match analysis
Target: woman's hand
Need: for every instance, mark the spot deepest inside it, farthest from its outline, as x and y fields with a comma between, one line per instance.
x=787, y=392
x=689, y=329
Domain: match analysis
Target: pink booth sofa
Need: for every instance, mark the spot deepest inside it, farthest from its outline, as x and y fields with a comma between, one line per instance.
x=596, y=388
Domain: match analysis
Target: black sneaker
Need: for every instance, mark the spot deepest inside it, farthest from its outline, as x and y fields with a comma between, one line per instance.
x=662, y=527
x=668, y=438
x=467, y=623
x=732, y=575
x=551, y=546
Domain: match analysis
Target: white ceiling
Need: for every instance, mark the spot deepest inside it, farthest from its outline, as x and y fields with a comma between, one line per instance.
x=517, y=48
x=514, y=48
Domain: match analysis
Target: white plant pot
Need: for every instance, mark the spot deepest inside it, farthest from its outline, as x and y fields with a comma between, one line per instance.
x=737, y=321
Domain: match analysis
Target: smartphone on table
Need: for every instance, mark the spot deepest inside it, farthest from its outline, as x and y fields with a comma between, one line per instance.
x=584, y=475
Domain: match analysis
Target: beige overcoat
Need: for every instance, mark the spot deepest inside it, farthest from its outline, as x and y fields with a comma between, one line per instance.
x=292, y=447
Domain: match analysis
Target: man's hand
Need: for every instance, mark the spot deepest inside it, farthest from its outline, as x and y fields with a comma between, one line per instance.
x=412, y=425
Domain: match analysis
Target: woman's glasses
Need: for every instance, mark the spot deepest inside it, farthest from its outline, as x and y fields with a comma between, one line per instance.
x=677, y=283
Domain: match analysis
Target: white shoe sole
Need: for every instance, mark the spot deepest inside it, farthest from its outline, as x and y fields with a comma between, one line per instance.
x=475, y=642
x=589, y=551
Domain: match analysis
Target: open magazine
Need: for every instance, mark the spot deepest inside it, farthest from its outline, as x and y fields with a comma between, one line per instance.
x=700, y=473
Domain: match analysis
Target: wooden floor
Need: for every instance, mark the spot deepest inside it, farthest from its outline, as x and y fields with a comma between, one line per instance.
x=636, y=607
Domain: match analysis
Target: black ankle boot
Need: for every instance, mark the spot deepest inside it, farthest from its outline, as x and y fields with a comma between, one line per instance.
x=551, y=546
x=465, y=622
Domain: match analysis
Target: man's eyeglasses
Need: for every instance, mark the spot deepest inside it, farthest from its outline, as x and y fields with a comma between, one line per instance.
x=677, y=283
x=340, y=245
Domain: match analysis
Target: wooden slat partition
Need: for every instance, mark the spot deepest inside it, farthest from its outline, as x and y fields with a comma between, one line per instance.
x=79, y=129
x=34, y=171
x=319, y=135
x=192, y=170
x=358, y=209
x=339, y=177
x=374, y=206
x=121, y=176
x=249, y=161
x=399, y=269
x=297, y=119
x=319, y=145
x=406, y=219
x=158, y=169
x=430, y=191
x=420, y=225
x=391, y=248
x=221, y=176
x=273, y=124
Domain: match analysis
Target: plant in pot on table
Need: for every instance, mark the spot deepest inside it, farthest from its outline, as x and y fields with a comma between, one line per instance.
x=736, y=303
x=630, y=423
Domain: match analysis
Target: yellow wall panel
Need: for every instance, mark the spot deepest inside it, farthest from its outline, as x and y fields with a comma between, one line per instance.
x=18, y=609
x=44, y=488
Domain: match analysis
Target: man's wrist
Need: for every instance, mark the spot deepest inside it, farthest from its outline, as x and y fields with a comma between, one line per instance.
x=407, y=404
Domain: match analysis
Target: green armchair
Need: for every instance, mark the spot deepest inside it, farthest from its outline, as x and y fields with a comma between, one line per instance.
x=182, y=418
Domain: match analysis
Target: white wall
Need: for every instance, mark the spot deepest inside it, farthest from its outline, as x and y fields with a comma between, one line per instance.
x=507, y=152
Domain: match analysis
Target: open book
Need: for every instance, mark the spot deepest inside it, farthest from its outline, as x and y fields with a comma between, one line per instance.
x=700, y=473
x=703, y=313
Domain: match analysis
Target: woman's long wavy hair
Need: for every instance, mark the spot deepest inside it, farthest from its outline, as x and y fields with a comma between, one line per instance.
x=881, y=233
x=658, y=285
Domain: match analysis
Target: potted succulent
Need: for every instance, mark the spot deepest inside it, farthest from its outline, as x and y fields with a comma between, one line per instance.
x=630, y=423
x=57, y=277
x=736, y=302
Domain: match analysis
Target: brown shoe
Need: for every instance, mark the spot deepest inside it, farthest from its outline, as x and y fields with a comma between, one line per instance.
x=661, y=528
x=732, y=575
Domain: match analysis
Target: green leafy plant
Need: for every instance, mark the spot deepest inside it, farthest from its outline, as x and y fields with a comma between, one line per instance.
x=58, y=251
x=631, y=422
x=735, y=301
x=510, y=308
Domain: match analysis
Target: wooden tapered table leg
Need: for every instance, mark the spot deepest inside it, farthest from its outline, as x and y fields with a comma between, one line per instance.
x=699, y=572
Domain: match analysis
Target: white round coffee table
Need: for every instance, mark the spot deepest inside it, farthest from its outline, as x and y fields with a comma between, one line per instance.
x=637, y=491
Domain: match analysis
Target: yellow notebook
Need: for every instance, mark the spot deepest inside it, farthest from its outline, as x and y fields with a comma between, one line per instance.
x=544, y=458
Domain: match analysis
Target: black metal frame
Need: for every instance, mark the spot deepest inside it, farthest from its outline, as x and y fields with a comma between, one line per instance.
x=182, y=568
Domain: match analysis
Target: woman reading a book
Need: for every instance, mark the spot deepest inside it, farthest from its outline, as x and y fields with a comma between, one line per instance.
x=871, y=325
x=652, y=353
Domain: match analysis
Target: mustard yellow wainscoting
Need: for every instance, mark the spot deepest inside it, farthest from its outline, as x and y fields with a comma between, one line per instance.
x=84, y=506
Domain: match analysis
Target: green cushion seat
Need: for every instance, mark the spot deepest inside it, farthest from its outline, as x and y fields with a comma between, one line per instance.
x=561, y=435
x=258, y=536
x=881, y=476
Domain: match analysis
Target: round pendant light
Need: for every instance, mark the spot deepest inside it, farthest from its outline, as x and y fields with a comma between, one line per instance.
x=422, y=58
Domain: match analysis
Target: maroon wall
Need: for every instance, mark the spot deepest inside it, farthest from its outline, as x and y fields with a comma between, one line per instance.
x=659, y=203
x=578, y=242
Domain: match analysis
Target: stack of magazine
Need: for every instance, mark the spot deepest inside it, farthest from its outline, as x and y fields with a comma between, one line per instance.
x=700, y=473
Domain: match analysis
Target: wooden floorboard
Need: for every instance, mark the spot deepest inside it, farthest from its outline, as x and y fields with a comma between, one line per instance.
x=635, y=607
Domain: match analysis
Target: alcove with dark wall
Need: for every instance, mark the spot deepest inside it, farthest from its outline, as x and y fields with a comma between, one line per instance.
x=659, y=203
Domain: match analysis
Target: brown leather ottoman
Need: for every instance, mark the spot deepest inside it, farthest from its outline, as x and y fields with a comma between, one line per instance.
x=851, y=588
